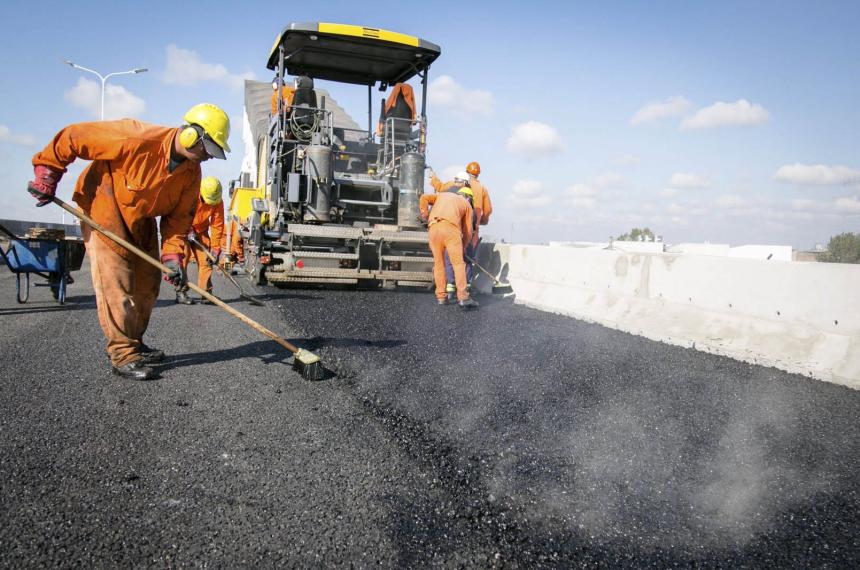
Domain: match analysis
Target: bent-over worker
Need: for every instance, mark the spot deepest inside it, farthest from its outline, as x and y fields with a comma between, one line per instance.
x=139, y=172
x=483, y=208
x=207, y=229
x=450, y=226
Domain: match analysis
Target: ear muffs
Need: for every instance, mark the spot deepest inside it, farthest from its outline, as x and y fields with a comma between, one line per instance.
x=190, y=136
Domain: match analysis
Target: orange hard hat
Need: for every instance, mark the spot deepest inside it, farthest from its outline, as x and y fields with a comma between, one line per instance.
x=474, y=168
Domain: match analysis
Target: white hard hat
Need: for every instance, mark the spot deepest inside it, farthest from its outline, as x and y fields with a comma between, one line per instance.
x=462, y=176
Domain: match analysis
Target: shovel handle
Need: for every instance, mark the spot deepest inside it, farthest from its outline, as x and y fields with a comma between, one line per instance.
x=164, y=269
x=221, y=269
x=487, y=273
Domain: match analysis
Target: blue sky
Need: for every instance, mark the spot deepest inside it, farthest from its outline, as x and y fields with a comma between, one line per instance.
x=731, y=122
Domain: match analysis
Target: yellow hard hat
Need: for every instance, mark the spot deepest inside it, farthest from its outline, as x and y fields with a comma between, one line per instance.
x=213, y=120
x=210, y=190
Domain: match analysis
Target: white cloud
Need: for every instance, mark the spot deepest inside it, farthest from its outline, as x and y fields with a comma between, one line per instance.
x=803, y=204
x=119, y=102
x=610, y=180
x=731, y=202
x=534, y=140
x=848, y=204
x=653, y=112
x=7, y=136
x=581, y=191
x=445, y=92
x=184, y=67
x=582, y=196
x=676, y=209
x=529, y=194
x=721, y=114
x=688, y=181
x=627, y=160
x=669, y=192
x=817, y=174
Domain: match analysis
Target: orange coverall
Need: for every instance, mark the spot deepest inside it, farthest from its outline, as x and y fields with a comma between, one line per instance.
x=286, y=94
x=483, y=206
x=208, y=217
x=450, y=226
x=400, y=89
x=235, y=248
x=124, y=189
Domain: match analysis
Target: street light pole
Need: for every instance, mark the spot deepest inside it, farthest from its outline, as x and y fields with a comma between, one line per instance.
x=104, y=78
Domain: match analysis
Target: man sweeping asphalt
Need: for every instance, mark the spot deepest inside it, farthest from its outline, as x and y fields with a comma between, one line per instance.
x=205, y=235
x=139, y=172
x=483, y=208
x=449, y=220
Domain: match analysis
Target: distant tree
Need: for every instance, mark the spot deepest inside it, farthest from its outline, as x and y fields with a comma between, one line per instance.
x=636, y=234
x=844, y=248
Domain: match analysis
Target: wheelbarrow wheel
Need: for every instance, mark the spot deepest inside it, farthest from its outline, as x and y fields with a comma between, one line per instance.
x=18, y=296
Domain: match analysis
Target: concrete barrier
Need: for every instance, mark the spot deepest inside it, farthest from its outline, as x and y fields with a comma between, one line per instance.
x=799, y=317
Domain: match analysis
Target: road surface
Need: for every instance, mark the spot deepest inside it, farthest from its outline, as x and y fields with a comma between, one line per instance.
x=502, y=438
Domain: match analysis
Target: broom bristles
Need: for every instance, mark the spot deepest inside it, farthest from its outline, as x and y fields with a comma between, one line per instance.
x=308, y=364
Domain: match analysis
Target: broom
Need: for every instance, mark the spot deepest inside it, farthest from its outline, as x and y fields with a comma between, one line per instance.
x=305, y=362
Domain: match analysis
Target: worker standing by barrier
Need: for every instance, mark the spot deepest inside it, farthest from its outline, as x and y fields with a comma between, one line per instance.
x=138, y=172
x=450, y=226
x=483, y=208
x=207, y=230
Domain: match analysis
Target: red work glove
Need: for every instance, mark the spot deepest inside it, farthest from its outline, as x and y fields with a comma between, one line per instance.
x=216, y=255
x=177, y=275
x=45, y=181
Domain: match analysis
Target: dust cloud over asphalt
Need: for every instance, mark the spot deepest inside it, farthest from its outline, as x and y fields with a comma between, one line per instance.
x=564, y=442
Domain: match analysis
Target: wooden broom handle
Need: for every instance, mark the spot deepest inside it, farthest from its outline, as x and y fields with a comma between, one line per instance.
x=164, y=269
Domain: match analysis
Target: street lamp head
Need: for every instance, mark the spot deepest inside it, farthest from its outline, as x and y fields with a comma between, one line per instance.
x=67, y=62
x=140, y=70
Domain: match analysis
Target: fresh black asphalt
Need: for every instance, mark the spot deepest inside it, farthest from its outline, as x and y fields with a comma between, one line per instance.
x=505, y=437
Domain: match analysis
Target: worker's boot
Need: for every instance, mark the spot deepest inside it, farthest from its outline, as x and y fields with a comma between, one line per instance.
x=136, y=370
x=451, y=291
x=149, y=355
x=183, y=299
x=443, y=301
x=469, y=304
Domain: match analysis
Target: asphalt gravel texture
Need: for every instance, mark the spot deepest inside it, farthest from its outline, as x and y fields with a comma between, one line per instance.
x=505, y=437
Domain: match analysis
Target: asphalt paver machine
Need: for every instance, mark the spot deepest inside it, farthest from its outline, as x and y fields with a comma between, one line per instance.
x=322, y=199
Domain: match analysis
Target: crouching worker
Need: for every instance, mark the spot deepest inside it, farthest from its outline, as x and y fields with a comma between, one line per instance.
x=139, y=172
x=205, y=235
x=450, y=226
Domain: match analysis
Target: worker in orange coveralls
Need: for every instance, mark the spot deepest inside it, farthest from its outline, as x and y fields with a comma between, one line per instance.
x=450, y=226
x=231, y=241
x=483, y=209
x=207, y=229
x=287, y=93
x=399, y=105
x=234, y=251
x=138, y=172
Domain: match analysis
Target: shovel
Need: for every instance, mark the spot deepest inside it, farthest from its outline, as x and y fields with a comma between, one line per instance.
x=247, y=297
x=498, y=286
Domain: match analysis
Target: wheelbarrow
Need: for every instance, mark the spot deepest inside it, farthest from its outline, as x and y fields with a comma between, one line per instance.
x=52, y=259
